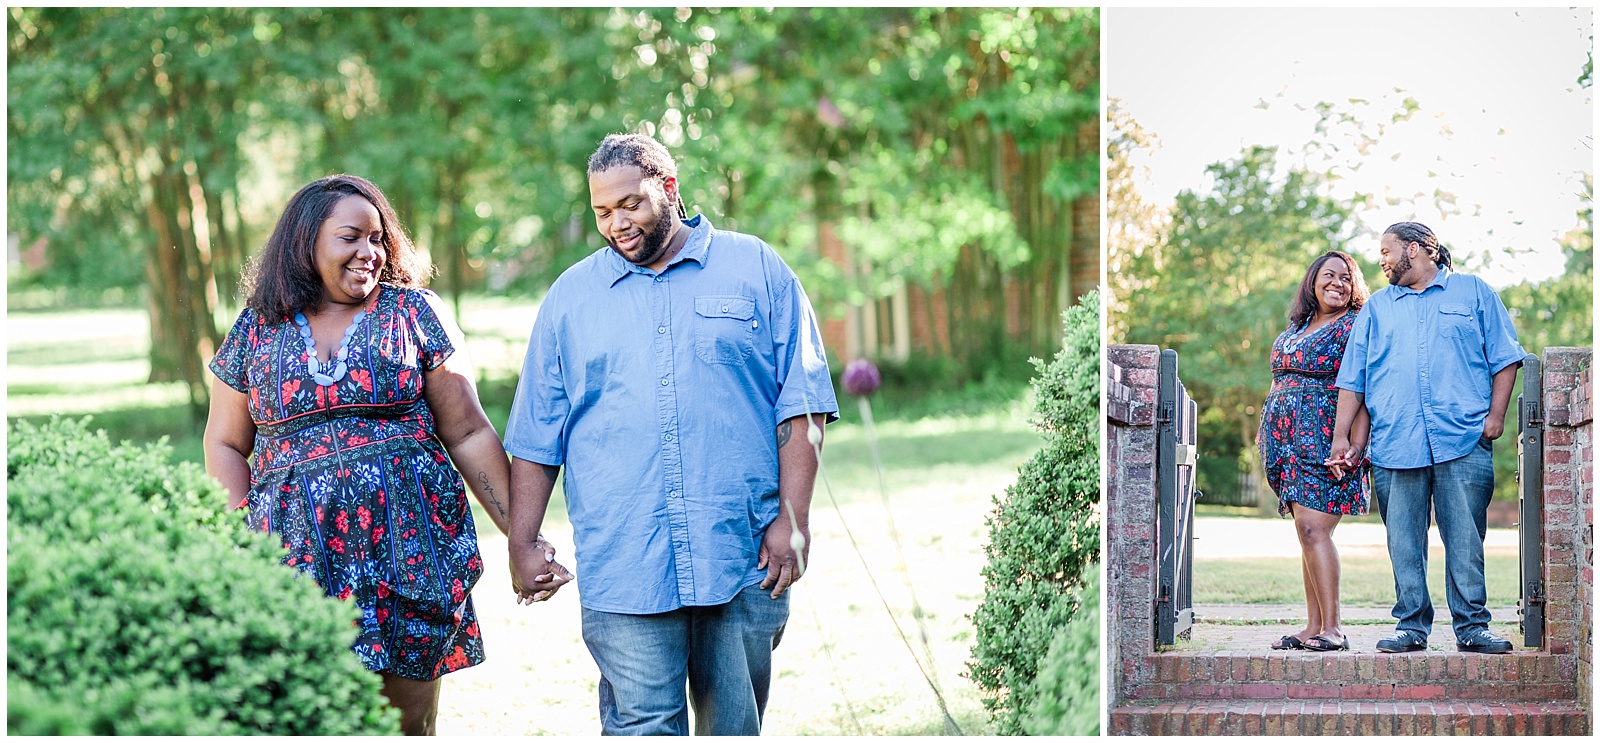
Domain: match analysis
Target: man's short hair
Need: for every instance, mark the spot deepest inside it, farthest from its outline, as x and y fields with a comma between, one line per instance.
x=645, y=153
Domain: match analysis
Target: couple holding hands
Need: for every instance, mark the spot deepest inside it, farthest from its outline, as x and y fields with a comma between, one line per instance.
x=1401, y=393
x=675, y=374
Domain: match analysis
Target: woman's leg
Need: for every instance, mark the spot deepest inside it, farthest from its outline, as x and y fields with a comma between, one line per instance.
x=1322, y=562
x=1313, y=607
x=418, y=702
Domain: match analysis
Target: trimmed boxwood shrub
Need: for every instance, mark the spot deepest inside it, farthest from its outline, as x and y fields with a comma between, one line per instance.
x=136, y=606
x=1045, y=531
x=1067, y=692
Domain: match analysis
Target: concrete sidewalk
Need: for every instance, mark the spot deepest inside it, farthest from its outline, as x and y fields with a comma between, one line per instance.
x=1224, y=538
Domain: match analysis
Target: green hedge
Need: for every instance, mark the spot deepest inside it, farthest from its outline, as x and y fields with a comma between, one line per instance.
x=137, y=606
x=1045, y=532
x=1067, y=692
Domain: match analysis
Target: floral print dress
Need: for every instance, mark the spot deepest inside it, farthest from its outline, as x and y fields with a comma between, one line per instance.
x=354, y=480
x=1297, y=420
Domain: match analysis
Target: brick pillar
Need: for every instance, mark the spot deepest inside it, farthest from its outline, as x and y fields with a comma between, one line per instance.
x=1130, y=498
x=1569, y=511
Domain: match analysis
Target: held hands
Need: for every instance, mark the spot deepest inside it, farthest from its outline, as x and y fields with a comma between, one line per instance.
x=780, y=556
x=1342, y=457
x=535, y=575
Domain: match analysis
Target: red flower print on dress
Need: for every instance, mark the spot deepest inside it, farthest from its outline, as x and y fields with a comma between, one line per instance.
x=290, y=389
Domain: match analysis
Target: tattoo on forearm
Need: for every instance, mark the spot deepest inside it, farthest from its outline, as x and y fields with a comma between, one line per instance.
x=785, y=432
x=488, y=492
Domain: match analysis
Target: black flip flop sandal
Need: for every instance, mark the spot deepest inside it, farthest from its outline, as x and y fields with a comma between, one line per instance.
x=1288, y=642
x=1322, y=644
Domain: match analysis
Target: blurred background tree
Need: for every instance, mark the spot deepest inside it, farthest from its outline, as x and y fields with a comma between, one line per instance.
x=931, y=174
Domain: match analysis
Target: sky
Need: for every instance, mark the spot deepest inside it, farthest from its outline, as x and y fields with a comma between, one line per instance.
x=1502, y=123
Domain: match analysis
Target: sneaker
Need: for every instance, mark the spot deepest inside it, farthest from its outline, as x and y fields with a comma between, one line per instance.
x=1482, y=641
x=1402, y=642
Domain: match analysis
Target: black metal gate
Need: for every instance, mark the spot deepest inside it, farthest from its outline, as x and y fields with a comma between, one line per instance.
x=1530, y=501
x=1175, y=460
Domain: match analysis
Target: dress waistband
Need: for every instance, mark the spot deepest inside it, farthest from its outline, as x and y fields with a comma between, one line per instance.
x=297, y=424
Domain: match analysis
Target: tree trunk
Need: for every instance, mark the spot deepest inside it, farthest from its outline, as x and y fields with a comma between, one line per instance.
x=183, y=331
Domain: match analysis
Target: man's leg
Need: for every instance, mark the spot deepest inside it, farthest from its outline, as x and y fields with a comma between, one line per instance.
x=643, y=660
x=730, y=661
x=1462, y=488
x=1403, y=499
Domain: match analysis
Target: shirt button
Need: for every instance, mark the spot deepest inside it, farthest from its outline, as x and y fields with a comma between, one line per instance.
x=663, y=381
x=669, y=438
x=660, y=279
x=724, y=308
x=661, y=329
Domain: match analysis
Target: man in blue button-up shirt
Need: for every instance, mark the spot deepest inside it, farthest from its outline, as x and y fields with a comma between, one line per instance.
x=1434, y=357
x=676, y=374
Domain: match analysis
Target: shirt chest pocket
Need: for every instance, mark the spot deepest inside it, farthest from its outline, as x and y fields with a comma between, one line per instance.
x=1457, y=320
x=724, y=328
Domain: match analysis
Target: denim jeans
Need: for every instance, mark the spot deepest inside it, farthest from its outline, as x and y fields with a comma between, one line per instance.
x=723, y=653
x=1458, y=491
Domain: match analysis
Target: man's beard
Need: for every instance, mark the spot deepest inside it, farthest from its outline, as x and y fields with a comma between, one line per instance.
x=1401, y=267
x=654, y=242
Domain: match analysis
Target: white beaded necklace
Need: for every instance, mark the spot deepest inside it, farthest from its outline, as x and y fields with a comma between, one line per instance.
x=315, y=369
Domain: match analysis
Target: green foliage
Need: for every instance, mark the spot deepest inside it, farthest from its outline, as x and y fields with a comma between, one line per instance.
x=1045, y=531
x=137, y=607
x=1555, y=312
x=1068, y=689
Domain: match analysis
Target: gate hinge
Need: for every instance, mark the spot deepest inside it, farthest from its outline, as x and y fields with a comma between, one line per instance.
x=1167, y=409
x=1166, y=594
x=1535, y=593
x=1535, y=417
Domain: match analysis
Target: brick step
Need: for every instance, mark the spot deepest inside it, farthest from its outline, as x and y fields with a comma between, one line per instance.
x=1297, y=675
x=1217, y=717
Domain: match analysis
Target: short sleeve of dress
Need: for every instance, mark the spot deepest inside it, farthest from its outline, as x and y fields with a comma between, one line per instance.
x=428, y=321
x=231, y=363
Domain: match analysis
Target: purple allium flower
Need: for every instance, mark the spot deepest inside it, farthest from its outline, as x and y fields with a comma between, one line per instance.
x=861, y=378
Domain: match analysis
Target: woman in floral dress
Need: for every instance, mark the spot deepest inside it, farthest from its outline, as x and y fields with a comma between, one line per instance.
x=1297, y=431
x=349, y=385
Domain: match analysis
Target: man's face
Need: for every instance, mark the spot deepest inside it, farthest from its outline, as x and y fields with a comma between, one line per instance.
x=633, y=213
x=1394, y=257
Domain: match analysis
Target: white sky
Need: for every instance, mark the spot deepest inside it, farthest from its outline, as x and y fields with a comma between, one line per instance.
x=1503, y=124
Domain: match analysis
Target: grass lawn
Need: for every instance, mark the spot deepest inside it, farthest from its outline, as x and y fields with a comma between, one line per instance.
x=841, y=668
x=1365, y=580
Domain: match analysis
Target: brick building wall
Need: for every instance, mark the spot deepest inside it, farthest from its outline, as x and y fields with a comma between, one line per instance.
x=1130, y=512
x=1569, y=510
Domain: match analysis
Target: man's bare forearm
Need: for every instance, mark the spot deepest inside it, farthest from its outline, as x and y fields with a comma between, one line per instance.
x=1349, y=404
x=1500, y=393
x=531, y=486
x=797, y=467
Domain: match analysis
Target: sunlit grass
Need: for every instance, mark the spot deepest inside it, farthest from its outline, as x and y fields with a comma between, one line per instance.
x=1366, y=579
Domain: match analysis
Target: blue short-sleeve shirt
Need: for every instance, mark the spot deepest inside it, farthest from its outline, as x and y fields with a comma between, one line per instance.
x=661, y=394
x=1425, y=361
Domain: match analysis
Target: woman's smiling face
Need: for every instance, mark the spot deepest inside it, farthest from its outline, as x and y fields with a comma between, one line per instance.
x=1333, y=287
x=349, y=251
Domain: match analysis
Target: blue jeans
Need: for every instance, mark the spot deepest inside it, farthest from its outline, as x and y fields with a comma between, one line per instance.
x=723, y=653
x=1459, y=492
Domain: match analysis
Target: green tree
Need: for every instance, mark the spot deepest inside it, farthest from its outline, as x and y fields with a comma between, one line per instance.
x=128, y=126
